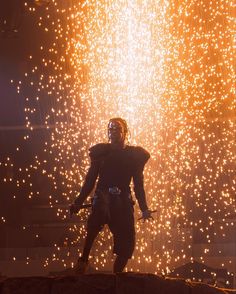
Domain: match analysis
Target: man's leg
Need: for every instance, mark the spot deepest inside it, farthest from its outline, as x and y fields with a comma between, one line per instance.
x=120, y=264
x=82, y=264
x=94, y=226
x=91, y=236
x=122, y=227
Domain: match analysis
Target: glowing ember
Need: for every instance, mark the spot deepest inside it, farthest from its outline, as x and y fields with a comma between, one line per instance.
x=167, y=68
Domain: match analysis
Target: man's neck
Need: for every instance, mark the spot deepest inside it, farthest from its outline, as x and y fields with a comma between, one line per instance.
x=118, y=145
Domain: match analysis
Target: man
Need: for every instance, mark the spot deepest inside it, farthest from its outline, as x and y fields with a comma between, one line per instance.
x=114, y=164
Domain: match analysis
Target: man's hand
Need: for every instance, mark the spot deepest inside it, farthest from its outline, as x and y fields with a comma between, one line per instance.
x=147, y=215
x=74, y=209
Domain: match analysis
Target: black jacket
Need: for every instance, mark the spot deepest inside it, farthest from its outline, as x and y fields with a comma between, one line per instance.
x=116, y=168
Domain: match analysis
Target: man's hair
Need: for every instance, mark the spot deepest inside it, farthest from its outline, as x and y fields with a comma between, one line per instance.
x=122, y=121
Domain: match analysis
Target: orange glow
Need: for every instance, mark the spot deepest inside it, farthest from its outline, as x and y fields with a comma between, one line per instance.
x=167, y=68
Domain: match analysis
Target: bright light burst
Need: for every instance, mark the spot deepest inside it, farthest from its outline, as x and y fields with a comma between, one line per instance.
x=166, y=67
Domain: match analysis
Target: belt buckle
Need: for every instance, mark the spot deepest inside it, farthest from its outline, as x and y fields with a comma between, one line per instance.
x=114, y=190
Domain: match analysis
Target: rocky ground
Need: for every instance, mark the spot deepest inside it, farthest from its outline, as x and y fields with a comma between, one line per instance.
x=123, y=283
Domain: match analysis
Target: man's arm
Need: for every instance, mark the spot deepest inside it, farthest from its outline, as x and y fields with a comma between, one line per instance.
x=139, y=189
x=87, y=187
x=89, y=183
x=96, y=154
x=141, y=157
x=140, y=195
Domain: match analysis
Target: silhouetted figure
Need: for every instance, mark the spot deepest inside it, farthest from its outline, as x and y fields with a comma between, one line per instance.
x=114, y=164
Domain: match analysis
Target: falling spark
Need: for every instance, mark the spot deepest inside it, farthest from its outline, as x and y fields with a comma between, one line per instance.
x=167, y=68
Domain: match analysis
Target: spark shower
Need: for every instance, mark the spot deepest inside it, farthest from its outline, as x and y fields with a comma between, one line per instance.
x=167, y=68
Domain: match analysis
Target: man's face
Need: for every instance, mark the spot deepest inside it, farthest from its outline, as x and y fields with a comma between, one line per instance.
x=116, y=132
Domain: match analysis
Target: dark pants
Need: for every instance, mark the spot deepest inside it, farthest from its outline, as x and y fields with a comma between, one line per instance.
x=117, y=212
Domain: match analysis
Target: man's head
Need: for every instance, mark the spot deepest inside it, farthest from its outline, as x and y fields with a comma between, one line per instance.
x=117, y=130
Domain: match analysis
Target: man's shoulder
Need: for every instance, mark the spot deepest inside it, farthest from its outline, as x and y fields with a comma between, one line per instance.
x=99, y=150
x=137, y=149
x=140, y=154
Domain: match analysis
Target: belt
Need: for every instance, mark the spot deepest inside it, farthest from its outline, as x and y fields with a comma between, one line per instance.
x=114, y=190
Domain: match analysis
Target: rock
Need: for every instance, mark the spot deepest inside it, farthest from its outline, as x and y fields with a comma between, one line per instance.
x=206, y=289
x=85, y=284
x=1, y=284
x=29, y=285
x=98, y=283
x=148, y=283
